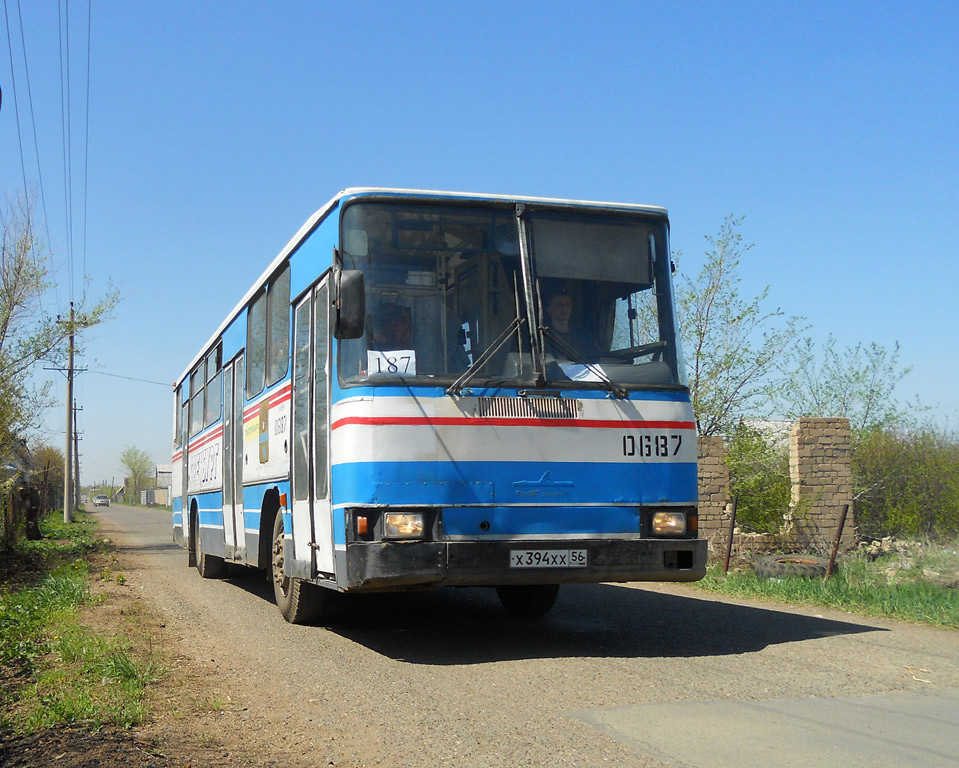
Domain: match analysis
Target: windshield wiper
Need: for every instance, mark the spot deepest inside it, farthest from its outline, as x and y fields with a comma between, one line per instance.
x=576, y=356
x=492, y=349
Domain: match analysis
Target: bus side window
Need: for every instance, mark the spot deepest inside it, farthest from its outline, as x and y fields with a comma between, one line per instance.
x=256, y=346
x=278, y=344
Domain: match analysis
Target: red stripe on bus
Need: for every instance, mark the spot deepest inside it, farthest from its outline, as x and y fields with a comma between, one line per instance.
x=280, y=396
x=207, y=439
x=420, y=421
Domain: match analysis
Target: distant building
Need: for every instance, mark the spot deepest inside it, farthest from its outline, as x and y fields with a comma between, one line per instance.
x=162, y=493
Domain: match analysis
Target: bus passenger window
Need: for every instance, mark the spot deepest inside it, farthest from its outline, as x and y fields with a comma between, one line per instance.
x=278, y=349
x=256, y=346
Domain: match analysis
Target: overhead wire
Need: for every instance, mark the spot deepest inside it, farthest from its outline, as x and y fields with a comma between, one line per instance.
x=33, y=122
x=36, y=145
x=63, y=24
x=167, y=384
x=86, y=136
x=16, y=100
x=65, y=55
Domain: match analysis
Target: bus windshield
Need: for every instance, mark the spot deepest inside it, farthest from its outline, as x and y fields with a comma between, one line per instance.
x=556, y=297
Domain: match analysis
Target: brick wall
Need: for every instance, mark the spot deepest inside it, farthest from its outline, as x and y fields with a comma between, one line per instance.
x=820, y=467
x=713, y=487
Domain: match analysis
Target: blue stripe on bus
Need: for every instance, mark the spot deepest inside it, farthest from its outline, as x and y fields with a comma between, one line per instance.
x=341, y=393
x=209, y=508
x=520, y=521
x=253, y=501
x=211, y=517
x=477, y=483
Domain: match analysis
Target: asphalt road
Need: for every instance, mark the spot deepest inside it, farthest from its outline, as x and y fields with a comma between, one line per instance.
x=653, y=675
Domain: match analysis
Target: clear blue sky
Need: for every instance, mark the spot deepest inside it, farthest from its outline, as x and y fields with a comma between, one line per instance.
x=216, y=129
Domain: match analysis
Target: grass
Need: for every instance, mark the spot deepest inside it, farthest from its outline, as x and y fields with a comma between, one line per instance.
x=54, y=669
x=921, y=586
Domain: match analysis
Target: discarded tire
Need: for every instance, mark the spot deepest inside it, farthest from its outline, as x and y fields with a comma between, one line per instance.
x=792, y=565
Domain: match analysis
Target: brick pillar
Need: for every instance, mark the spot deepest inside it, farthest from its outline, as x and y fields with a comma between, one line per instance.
x=820, y=467
x=713, y=488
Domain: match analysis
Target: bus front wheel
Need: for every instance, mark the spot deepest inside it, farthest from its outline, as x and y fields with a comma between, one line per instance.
x=528, y=601
x=298, y=601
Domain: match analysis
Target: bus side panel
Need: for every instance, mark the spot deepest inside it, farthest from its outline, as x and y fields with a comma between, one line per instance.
x=254, y=503
x=176, y=503
x=205, y=461
x=210, y=522
x=266, y=435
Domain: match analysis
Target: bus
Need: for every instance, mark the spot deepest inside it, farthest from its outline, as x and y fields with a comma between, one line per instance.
x=429, y=389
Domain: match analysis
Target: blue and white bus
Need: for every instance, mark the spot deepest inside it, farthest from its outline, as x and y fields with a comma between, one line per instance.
x=430, y=389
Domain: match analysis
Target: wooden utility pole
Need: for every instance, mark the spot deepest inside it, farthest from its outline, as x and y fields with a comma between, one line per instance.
x=67, y=454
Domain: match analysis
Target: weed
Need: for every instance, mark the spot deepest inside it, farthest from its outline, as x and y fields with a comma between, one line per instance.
x=64, y=673
x=911, y=589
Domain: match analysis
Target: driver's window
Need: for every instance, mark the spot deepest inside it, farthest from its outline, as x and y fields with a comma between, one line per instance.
x=636, y=321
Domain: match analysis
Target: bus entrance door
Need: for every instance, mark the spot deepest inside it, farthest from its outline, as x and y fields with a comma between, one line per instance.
x=232, y=469
x=312, y=519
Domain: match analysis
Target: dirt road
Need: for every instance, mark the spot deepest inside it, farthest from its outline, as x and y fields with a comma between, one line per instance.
x=445, y=678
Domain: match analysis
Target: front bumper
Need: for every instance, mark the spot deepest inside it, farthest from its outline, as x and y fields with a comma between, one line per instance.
x=382, y=566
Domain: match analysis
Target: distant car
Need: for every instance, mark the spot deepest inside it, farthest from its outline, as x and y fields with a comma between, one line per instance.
x=101, y=501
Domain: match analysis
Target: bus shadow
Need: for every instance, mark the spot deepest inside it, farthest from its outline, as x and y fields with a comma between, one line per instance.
x=468, y=626
x=149, y=548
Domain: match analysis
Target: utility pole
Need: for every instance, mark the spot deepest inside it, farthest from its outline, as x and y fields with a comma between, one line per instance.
x=67, y=479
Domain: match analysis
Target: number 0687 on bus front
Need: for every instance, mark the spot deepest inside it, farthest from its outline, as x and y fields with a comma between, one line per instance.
x=548, y=558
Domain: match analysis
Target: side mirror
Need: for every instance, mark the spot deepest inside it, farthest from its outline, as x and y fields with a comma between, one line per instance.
x=350, y=304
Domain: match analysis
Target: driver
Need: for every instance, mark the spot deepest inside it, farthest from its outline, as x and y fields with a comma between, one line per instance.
x=393, y=327
x=559, y=308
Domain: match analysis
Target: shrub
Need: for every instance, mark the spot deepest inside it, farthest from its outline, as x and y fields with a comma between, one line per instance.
x=907, y=484
x=759, y=478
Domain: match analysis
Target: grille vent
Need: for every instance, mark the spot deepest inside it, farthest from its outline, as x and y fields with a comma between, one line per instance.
x=530, y=408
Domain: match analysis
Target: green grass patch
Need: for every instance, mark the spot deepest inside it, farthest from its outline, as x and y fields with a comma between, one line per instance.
x=922, y=587
x=53, y=669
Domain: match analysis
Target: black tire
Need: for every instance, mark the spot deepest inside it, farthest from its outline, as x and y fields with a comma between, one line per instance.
x=299, y=601
x=208, y=566
x=529, y=601
x=807, y=566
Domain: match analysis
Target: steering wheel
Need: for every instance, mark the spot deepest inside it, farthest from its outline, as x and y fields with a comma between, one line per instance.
x=654, y=348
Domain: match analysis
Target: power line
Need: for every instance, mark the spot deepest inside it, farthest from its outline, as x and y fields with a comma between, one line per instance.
x=63, y=22
x=33, y=122
x=131, y=378
x=36, y=146
x=86, y=138
x=16, y=100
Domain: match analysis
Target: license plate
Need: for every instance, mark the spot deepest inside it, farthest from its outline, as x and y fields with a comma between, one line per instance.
x=548, y=558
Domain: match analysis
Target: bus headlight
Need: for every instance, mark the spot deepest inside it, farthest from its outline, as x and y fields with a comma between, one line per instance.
x=404, y=525
x=669, y=523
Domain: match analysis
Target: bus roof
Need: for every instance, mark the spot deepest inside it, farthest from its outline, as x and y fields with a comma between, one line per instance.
x=440, y=195
x=420, y=194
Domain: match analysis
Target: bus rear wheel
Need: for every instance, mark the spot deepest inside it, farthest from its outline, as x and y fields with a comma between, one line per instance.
x=300, y=602
x=529, y=601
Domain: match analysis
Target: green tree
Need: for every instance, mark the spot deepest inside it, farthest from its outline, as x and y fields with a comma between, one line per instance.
x=48, y=474
x=857, y=383
x=732, y=343
x=28, y=333
x=140, y=466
